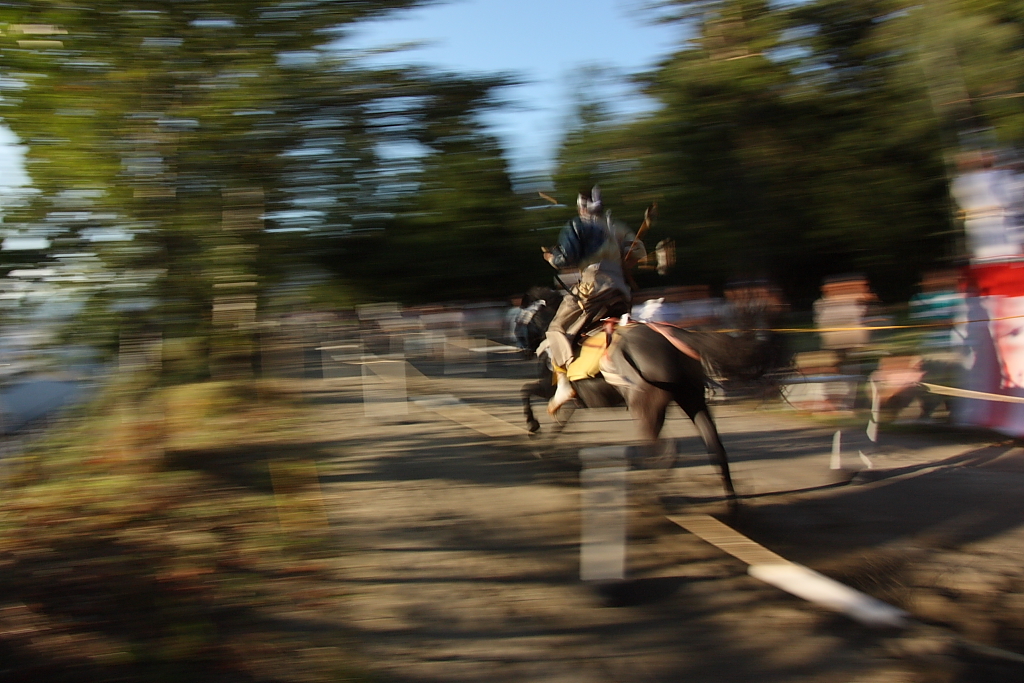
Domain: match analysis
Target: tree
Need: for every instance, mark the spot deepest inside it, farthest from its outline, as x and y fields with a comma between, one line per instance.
x=801, y=140
x=187, y=128
x=446, y=221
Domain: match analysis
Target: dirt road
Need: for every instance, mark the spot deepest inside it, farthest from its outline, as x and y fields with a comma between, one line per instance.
x=463, y=560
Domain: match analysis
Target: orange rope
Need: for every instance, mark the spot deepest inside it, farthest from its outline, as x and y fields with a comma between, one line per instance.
x=869, y=327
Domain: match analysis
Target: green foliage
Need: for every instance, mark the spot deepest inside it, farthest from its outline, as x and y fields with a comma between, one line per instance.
x=447, y=224
x=154, y=543
x=185, y=129
x=235, y=143
x=219, y=148
x=801, y=140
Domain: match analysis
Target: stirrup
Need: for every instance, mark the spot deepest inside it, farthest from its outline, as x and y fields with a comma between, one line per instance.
x=563, y=394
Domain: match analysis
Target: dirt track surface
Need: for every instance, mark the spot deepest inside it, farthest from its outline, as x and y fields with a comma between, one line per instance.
x=463, y=560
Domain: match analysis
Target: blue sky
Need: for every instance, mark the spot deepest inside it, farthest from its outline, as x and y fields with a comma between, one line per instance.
x=12, y=171
x=544, y=42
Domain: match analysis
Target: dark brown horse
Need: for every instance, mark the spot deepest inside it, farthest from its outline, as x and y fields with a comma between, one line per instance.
x=646, y=371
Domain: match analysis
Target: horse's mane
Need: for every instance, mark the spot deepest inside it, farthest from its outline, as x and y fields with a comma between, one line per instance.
x=545, y=294
x=538, y=325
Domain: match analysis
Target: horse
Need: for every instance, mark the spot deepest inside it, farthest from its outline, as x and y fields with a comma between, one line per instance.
x=646, y=368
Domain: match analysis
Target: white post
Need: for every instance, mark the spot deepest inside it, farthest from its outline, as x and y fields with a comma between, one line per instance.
x=603, y=514
x=837, y=448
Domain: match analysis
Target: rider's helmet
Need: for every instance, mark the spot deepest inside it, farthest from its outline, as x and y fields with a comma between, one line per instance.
x=590, y=200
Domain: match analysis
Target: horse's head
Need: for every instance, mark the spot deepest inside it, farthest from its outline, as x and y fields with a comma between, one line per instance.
x=538, y=308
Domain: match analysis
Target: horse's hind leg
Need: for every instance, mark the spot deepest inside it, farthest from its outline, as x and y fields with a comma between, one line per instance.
x=648, y=405
x=709, y=434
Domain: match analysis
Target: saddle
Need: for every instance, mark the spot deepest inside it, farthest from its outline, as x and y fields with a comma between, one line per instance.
x=594, y=344
x=590, y=348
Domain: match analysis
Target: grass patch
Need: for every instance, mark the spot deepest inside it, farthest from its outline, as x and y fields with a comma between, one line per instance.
x=172, y=534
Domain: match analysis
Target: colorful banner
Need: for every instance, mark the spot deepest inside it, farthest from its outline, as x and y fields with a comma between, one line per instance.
x=995, y=340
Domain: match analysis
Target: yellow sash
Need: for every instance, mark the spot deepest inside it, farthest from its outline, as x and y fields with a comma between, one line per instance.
x=588, y=363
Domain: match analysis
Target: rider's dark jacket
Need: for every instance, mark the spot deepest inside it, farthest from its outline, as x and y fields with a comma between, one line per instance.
x=596, y=246
x=579, y=239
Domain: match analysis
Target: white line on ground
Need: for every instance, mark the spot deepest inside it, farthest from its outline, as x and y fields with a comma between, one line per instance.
x=808, y=584
x=791, y=577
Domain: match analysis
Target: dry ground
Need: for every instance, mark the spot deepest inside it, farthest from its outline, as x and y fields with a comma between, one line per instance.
x=442, y=544
x=465, y=555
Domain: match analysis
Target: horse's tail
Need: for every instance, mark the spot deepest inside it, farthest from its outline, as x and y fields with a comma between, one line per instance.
x=726, y=355
x=709, y=345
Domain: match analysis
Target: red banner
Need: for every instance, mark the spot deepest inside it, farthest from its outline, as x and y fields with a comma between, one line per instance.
x=994, y=334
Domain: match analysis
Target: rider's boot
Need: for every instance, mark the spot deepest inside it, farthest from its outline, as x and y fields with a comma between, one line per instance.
x=563, y=392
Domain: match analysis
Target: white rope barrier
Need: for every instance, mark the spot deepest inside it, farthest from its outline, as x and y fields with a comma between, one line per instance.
x=967, y=393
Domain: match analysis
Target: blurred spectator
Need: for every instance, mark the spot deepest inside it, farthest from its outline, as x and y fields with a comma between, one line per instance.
x=662, y=259
x=897, y=379
x=511, y=315
x=689, y=306
x=665, y=256
x=938, y=304
x=896, y=383
x=650, y=311
x=989, y=199
x=840, y=312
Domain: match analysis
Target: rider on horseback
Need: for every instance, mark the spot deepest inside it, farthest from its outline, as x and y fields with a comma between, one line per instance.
x=598, y=247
